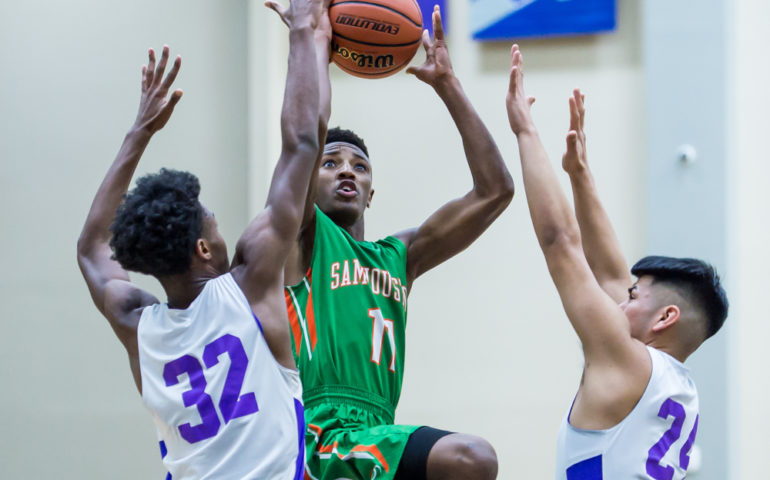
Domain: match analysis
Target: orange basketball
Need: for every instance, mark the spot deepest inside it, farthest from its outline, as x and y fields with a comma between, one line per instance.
x=374, y=38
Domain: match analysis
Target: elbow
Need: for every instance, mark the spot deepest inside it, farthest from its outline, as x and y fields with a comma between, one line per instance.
x=302, y=143
x=558, y=239
x=499, y=196
x=84, y=246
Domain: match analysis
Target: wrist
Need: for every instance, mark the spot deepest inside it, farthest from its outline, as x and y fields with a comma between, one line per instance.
x=447, y=84
x=303, y=27
x=526, y=131
x=139, y=133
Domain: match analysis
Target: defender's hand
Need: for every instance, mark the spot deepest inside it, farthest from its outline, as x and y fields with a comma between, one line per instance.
x=437, y=66
x=516, y=102
x=575, y=159
x=155, y=108
x=300, y=13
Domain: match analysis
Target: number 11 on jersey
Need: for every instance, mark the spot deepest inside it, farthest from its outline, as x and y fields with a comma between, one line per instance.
x=380, y=325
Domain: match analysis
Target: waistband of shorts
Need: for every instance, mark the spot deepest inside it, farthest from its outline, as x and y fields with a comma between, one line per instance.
x=353, y=396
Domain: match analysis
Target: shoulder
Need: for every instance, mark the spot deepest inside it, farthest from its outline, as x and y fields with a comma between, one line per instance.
x=405, y=236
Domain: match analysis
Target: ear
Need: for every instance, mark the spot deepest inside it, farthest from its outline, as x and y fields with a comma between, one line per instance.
x=202, y=249
x=667, y=317
x=369, y=201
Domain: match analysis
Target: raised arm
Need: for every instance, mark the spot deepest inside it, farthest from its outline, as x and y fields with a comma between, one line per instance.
x=600, y=243
x=108, y=282
x=458, y=223
x=299, y=256
x=613, y=358
x=263, y=248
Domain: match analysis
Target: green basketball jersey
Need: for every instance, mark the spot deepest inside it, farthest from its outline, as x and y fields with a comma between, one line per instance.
x=348, y=318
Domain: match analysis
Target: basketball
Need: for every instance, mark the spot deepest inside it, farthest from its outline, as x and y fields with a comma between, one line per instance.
x=374, y=38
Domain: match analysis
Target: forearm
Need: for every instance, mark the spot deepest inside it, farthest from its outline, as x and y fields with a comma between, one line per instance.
x=300, y=112
x=551, y=213
x=110, y=193
x=490, y=174
x=600, y=243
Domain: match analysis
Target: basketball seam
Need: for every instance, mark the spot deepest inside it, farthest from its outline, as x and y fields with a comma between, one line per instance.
x=381, y=6
x=378, y=44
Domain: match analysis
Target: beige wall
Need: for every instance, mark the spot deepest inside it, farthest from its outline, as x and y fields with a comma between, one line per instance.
x=749, y=171
x=69, y=89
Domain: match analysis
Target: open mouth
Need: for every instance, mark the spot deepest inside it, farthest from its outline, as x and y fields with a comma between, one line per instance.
x=347, y=189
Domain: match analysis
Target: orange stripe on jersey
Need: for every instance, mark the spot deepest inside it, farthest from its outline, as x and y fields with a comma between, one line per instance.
x=374, y=451
x=293, y=322
x=328, y=448
x=315, y=428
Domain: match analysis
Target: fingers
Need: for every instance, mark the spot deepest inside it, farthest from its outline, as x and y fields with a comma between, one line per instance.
x=572, y=139
x=161, y=65
x=144, y=77
x=515, y=80
x=172, y=74
x=277, y=8
x=574, y=116
x=149, y=69
x=175, y=97
x=426, y=41
x=580, y=102
x=514, y=51
x=438, y=27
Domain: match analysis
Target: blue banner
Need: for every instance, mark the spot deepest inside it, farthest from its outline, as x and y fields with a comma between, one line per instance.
x=507, y=19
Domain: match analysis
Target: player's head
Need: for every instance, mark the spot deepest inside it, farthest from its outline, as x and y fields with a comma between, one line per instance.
x=344, y=187
x=685, y=292
x=161, y=226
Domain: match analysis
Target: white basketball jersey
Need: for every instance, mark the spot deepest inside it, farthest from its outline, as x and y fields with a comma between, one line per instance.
x=224, y=408
x=652, y=442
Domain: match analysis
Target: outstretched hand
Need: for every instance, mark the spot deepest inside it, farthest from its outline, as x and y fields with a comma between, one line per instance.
x=575, y=159
x=155, y=108
x=437, y=65
x=300, y=13
x=516, y=102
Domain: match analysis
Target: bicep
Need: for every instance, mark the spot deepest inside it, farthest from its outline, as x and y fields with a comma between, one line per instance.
x=599, y=322
x=450, y=230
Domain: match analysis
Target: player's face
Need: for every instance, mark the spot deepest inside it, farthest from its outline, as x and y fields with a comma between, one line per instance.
x=641, y=308
x=344, y=185
x=215, y=242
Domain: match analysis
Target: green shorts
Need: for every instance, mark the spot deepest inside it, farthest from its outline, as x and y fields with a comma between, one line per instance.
x=350, y=435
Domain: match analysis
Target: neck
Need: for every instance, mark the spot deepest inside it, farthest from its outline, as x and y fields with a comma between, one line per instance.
x=183, y=288
x=671, y=348
x=356, y=230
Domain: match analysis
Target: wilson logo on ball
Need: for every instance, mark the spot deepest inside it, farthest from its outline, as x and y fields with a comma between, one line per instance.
x=364, y=59
x=367, y=23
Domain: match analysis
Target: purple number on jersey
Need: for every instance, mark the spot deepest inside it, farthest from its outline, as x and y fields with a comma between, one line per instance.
x=232, y=404
x=197, y=396
x=670, y=408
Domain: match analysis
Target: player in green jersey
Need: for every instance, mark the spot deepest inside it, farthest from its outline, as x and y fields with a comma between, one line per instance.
x=347, y=302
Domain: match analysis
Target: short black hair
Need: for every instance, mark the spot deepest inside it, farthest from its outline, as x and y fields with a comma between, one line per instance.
x=695, y=279
x=338, y=134
x=156, y=226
